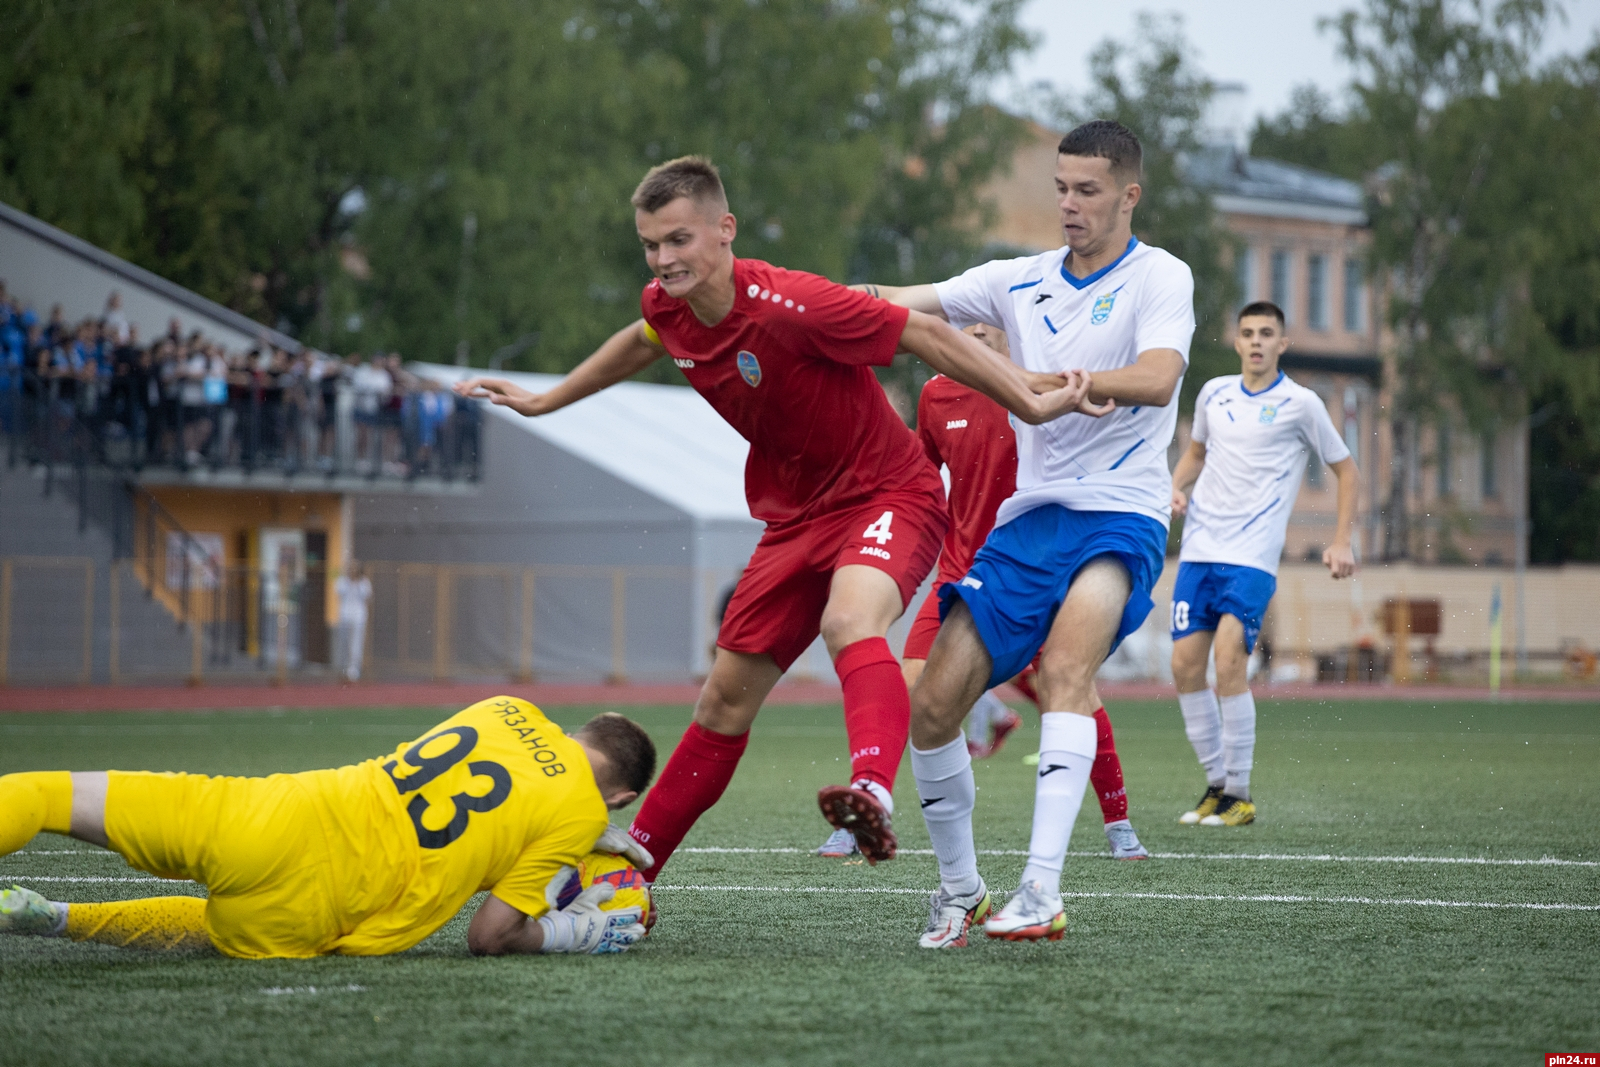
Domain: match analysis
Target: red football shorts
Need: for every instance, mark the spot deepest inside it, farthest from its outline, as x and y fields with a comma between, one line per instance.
x=777, y=608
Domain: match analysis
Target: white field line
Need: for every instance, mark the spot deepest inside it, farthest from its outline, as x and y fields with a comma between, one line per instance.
x=280, y=991
x=1261, y=898
x=1275, y=857
x=67, y=878
x=1258, y=898
x=1289, y=857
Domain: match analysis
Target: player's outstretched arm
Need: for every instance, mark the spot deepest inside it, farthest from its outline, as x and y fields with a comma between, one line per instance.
x=923, y=298
x=1185, y=474
x=1338, y=557
x=625, y=353
x=1033, y=398
x=1150, y=381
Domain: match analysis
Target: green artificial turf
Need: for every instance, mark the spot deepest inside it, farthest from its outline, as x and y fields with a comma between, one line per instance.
x=822, y=966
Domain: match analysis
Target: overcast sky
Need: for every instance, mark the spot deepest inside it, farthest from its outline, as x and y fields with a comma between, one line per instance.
x=1269, y=45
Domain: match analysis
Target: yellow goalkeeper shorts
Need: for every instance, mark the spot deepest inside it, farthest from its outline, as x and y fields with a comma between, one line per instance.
x=256, y=844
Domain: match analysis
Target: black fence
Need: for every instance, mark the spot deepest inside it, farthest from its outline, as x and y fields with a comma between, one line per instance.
x=250, y=422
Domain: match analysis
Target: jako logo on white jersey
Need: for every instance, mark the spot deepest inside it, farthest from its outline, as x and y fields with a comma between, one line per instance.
x=956, y=424
x=683, y=364
x=872, y=550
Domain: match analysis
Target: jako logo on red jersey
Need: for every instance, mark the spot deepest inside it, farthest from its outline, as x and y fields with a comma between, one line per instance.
x=750, y=369
x=872, y=550
x=956, y=424
x=683, y=364
x=870, y=750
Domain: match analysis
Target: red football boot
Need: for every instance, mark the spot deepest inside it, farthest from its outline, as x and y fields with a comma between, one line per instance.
x=859, y=812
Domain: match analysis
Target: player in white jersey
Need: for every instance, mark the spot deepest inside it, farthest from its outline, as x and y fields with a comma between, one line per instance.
x=1251, y=438
x=1068, y=569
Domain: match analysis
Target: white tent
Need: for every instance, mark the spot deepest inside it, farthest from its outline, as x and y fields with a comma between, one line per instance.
x=640, y=481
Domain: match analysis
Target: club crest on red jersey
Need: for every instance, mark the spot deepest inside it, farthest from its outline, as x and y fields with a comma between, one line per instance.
x=750, y=369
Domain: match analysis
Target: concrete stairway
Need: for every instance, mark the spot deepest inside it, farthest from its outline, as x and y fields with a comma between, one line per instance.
x=60, y=603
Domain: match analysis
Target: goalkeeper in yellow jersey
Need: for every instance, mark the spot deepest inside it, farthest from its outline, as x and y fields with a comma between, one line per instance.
x=363, y=860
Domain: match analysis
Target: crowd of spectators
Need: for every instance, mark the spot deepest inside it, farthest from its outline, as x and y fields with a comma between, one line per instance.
x=183, y=400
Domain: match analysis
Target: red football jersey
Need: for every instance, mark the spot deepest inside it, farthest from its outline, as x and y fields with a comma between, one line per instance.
x=972, y=435
x=789, y=368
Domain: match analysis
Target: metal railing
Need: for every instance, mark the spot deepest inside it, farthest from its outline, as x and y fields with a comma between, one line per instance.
x=171, y=614
x=281, y=425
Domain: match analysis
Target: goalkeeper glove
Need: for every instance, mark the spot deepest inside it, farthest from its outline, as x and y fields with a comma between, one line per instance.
x=583, y=927
x=617, y=842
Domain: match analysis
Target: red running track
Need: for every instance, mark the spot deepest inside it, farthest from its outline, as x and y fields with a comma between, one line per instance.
x=460, y=694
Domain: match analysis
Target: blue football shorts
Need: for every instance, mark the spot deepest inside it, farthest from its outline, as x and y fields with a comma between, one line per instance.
x=1205, y=592
x=1021, y=575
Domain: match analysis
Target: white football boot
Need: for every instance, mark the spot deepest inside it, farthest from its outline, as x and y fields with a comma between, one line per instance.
x=950, y=916
x=1030, y=915
x=1124, y=842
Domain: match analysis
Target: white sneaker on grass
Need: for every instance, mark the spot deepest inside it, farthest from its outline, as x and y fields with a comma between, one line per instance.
x=950, y=916
x=1124, y=842
x=840, y=843
x=1032, y=914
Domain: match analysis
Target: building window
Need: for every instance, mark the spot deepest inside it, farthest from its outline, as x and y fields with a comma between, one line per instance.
x=1442, y=445
x=1354, y=296
x=1317, y=292
x=1280, y=280
x=1244, y=270
x=1490, y=475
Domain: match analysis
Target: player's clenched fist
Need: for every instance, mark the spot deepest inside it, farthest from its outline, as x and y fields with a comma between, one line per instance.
x=1064, y=393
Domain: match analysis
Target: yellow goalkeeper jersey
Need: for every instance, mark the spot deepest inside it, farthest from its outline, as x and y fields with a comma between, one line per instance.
x=495, y=797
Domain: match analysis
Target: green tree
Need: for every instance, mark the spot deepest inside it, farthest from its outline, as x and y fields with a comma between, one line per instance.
x=1154, y=87
x=1451, y=125
x=447, y=178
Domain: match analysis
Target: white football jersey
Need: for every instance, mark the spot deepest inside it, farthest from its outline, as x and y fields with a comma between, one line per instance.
x=1056, y=322
x=1256, y=450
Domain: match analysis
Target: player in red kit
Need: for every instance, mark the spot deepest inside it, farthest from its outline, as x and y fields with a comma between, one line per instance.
x=854, y=513
x=967, y=432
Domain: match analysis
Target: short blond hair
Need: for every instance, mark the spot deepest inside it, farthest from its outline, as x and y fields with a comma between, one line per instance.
x=694, y=177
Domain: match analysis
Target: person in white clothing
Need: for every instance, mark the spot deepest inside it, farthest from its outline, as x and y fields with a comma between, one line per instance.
x=1253, y=433
x=353, y=589
x=1068, y=569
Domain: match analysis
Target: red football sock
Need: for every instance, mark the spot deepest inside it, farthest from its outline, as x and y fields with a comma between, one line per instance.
x=1106, y=774
x=693, y=780
x=877, y=710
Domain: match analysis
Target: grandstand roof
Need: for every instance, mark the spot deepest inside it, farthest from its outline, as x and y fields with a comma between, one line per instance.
x=664, y=440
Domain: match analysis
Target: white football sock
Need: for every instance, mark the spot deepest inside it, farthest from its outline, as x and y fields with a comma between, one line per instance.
x=885, y=797
x=948, y=792
x=1066, y=753
x=982, y=716
x=1202, y=721
x=1239, y=742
